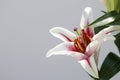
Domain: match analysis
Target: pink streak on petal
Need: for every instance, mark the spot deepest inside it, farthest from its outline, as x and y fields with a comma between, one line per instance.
x=109, y=32
x=71, y=48
x=67, y=38
x=88, y=61
x=90, y=32
x=87, y=23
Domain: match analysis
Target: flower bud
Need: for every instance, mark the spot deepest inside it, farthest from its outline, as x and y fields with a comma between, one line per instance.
x=112, y=5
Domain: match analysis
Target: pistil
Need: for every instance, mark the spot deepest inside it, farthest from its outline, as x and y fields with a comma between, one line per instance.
x=76, y=30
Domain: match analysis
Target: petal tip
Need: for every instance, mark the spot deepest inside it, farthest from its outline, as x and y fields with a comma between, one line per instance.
x=88, y=9
x=52, y=30
x=48, y=55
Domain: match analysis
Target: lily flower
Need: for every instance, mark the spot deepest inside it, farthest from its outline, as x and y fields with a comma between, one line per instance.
x=83, y=46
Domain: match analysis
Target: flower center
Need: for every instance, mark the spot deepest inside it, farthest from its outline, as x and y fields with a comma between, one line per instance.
x=82, y=41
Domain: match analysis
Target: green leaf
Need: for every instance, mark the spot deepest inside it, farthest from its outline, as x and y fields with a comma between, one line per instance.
x=103, y=11
x=117, y=41
x=110, y=66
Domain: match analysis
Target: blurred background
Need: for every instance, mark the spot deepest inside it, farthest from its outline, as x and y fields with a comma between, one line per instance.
x=25, y=39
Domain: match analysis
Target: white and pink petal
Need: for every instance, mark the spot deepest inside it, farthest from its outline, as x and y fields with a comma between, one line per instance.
x=63, y=34
x=92, y=47
x=89, y=66
x=94, y=65
x=106, y=34
x=65, y=49
x=103, y=22
x=86, y=17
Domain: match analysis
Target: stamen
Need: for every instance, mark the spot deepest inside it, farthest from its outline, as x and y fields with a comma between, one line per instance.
x=86, y=38
x=82, y=41
x=83, y=37
x=78, y=46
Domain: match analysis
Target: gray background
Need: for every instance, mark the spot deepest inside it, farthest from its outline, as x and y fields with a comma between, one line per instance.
x=24, y=39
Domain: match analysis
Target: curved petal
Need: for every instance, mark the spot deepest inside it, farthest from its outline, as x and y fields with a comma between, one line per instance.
x=112, y=28
x=105, y=34
x=96, y=54
x=93, y=47
x=65, y=49
x=98, y=39
x=84, y=63
x=63, y=34
x=86, y=17
x=93, y=65
x=103, y=22
x=89, y=66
